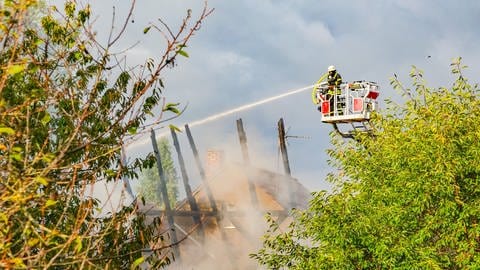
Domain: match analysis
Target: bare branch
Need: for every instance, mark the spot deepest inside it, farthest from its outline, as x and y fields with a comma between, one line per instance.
x=122, y=30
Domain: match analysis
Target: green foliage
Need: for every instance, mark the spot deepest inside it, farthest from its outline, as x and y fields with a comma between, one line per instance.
x=149, y=187
x=66, y=109
x=406, y=199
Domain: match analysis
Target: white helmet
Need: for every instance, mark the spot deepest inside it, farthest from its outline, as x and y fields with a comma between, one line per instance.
x=331, y=68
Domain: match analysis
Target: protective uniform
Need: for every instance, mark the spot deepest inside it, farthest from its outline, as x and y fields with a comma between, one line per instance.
x=334, y=80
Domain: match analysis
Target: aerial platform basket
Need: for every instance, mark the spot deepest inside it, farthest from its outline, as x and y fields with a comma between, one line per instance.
x=353, y=105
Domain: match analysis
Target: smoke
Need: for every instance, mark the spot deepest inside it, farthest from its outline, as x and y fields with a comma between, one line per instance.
x=243, y=224
x=227, y=245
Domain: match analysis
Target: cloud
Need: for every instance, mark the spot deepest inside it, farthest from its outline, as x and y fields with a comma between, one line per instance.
x=317, y=33
x=228, y=62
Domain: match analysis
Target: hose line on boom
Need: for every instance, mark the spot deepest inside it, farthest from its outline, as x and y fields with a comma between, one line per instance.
x=314, y=91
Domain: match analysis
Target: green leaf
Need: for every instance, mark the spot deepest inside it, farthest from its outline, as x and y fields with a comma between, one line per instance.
x=48, y=157
x=84, y=14
x=183, y=53
x=41, y=180
x=110, y=172
x=7, y=130
x=146, y=29
x=46, y=119
x=3, y=217
x=16, y=156
x=50, y=202
x=5, y=13
x=78, y=244
x=70, y=8
x=132, y=130
x=18, y=262
x=14, y=69
x=175, y=128
x=32, y=242
x=172, y=107
x=137, y=262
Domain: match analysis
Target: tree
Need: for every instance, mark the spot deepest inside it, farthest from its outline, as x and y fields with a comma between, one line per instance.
x=67, y=105
x=149, y=187
x=406, y=199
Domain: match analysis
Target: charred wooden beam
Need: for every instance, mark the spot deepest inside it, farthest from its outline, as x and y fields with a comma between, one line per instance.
x=186, y=184
x=283, y=147
x=163, y=190
x=201, y=170
x=246, y=159
x=286, y=163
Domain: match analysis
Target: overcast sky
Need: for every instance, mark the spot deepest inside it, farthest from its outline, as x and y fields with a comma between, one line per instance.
x=254, y=49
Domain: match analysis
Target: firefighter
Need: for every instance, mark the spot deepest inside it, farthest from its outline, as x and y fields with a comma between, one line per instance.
x=334, y=80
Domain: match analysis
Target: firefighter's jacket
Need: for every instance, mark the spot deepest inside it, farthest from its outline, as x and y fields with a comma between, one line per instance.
x=334, y=80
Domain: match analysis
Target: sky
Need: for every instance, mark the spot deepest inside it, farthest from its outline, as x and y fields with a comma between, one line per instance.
x=250, y=50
